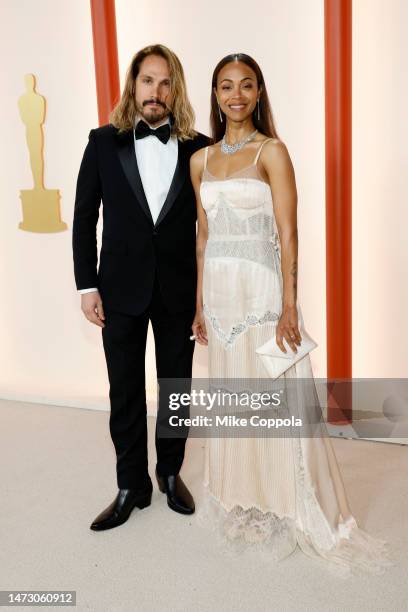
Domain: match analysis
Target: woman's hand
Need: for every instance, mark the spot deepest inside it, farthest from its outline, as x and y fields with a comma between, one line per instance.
x=199, y=329
x=288, y=328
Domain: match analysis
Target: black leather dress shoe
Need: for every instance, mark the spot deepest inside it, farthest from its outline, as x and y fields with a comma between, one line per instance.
x=119, y=510
x=179, y=497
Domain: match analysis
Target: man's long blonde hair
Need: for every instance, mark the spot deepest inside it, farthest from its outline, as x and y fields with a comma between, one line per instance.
x=125, y=112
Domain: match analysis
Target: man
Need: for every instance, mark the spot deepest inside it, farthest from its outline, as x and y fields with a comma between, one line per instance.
x=139, y=167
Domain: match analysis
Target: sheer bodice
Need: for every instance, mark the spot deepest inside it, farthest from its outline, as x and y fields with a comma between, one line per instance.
x=242, y=249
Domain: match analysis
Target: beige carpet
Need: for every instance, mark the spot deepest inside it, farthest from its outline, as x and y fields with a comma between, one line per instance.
x=58, y=473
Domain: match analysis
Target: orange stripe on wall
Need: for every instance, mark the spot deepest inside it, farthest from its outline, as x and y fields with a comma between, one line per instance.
x=105, y=56
x=338, y=107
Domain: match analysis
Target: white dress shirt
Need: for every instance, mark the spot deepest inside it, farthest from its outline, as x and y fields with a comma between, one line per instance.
x=157, y=164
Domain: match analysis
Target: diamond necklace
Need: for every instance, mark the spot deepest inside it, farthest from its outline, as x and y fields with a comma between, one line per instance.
x=232, y=148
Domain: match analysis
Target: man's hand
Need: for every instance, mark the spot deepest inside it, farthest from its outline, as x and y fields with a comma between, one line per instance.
x=91, y=306
x=199, y=329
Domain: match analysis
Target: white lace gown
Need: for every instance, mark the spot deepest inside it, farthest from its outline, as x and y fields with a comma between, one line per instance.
x=262, y=493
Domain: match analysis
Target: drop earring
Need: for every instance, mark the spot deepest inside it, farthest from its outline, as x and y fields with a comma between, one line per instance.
x=258, y=111
x=219, y=111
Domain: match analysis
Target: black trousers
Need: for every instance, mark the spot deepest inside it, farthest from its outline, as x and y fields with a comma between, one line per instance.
x=124, y=340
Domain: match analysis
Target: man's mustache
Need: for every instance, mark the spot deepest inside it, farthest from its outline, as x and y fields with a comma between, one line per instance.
x=155, y=102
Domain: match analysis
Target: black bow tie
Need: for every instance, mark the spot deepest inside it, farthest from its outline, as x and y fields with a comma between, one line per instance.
x=142, y=130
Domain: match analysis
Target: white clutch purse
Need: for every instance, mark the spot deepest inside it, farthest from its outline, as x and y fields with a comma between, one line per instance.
x=276, y=361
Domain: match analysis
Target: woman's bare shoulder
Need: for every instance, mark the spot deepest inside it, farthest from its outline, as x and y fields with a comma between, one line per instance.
x=197, y=159
x=274, y=152
x=274, y=144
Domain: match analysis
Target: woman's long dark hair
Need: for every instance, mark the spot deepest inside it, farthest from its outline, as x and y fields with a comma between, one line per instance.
x=265, y=124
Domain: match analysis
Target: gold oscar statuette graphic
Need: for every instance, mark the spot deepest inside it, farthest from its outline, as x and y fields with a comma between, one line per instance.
x=41, y=206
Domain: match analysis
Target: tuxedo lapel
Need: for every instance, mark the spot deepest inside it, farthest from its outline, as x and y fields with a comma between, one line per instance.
x=177, y=183
x=127, y=156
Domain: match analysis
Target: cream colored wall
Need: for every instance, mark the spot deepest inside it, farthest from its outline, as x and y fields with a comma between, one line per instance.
x=380, y=189
x=49, y=352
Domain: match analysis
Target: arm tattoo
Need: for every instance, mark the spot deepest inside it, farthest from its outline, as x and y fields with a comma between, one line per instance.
x=293, y=272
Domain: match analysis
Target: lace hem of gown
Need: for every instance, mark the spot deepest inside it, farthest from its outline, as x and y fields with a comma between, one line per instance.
x=242, y=530
x=253, y=531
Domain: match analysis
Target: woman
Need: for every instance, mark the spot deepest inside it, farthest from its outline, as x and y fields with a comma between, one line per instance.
x=263, y=492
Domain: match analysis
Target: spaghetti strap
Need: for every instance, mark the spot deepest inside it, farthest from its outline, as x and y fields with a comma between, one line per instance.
x=205, y=158
x=260, y=149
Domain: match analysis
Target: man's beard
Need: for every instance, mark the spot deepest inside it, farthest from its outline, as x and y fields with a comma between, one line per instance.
x=153, y=115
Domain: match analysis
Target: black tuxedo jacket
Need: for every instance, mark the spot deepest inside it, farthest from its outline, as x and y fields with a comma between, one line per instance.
x=133, y=247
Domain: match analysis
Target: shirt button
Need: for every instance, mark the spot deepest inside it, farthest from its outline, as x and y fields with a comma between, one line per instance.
x=155, y=232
